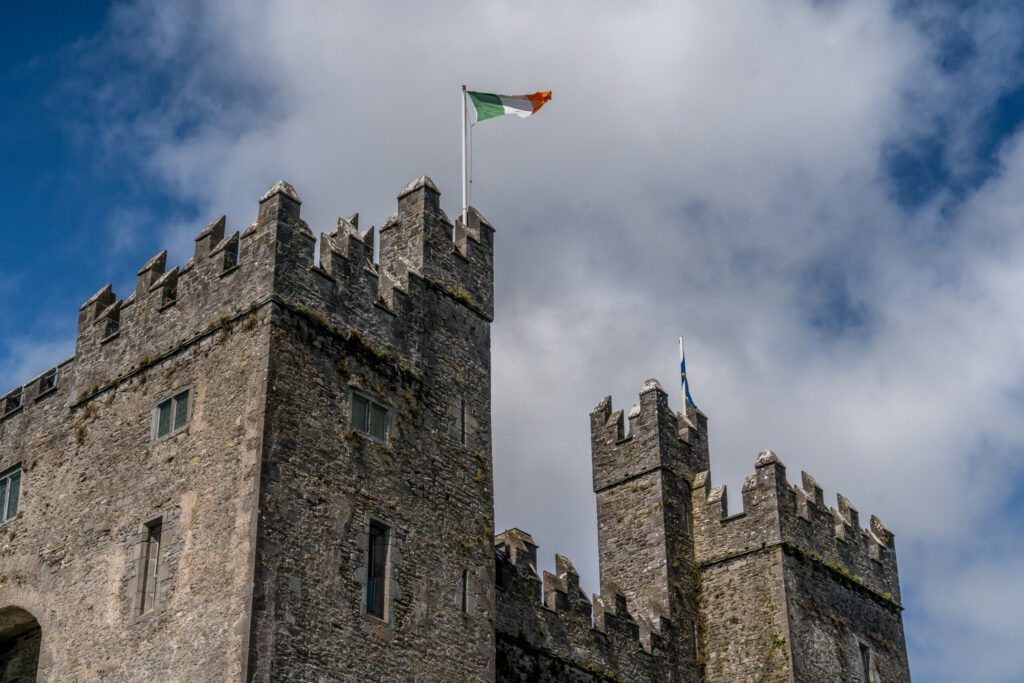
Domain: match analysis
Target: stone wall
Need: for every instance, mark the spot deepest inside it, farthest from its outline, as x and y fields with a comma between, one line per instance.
x=267, y=496
x=830, y=617
x=94, y=475
x=642, y=485
x=423, y=353
x=743, y=626
x=812, y=581
x=565, y=637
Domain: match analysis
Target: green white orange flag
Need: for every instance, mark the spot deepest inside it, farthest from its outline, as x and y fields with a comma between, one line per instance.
x=488, y=105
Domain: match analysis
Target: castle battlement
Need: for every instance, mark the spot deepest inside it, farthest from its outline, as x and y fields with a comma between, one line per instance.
x=658, y=437
x=328, y=418
x=423, y=255
x=794, y=516
x=41, y=387
x=554, y=615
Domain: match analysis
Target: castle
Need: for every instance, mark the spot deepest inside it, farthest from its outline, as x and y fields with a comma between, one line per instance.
x=263, y=466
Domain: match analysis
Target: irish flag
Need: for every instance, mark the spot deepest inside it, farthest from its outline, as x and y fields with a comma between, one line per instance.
x=489, y=105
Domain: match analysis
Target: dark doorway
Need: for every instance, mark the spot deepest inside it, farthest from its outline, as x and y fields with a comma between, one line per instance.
x=20, y=637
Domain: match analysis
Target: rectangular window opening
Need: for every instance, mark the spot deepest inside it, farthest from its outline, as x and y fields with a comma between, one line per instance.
x=376, y=569
x=149, y=567
x=169, y=296
x=10, y=492
x=110, y=327
x=172, y=415
x=464, y=591
x=48, y=381
x=370, y=417
x=12, y=401
x=230, y=255
x=865, y=663
x=462, y=421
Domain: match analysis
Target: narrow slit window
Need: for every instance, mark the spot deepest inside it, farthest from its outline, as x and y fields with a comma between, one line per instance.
x=370, y=417
x=464, y=591
x=10, y=492
x=172, y=415
x=149, y=569
x=865, y=663
x=376, y=569
x=462, y=420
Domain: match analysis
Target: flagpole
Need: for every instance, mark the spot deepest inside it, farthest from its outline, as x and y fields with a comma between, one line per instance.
x=682, y=385
x=465, y=177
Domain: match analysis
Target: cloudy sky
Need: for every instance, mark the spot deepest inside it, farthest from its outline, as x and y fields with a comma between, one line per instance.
x=824, y=197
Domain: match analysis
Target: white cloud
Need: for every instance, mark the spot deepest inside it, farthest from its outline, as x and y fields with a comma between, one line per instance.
x=25, y=358
x=712, y=169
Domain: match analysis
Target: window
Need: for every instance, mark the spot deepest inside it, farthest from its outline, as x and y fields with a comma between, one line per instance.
x=462, y=420
x=168, y=296
x=370, y=417
x=376, y=569
x=110, y=328
x=464, y=591
x=172, y=415
x=48, y=381
x=149, y=567
x=12, y=401
x=10, y=491
x=865, y=663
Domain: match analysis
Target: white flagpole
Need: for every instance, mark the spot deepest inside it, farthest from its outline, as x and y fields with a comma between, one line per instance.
x=465, y=177
x=682, y=386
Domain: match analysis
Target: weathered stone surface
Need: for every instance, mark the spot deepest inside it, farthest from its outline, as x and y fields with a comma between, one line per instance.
x=792, y=587
x=266, y=498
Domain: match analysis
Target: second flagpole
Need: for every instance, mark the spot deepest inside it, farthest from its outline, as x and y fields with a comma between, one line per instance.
x=681, y=375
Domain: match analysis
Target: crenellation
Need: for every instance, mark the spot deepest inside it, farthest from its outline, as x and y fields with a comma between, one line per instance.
x=882, y=535
x=777, y=513
x=150, y=273
x=612, y=617
x=91, y=309
x=167, y=287
x=418, y=240
x=209, y=238
x=227, y=254
x=562, y=592
x=319, y=404
x=848, y=513
x=811, y=490
x=228, y=275
x=550, y=631
x=654, y=439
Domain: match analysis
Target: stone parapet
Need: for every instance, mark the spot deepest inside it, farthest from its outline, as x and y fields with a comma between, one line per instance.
x=230, y=274
x=796, y=518
x=548, y=630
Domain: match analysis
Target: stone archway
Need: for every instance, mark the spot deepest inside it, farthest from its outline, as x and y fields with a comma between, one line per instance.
x=20, y=637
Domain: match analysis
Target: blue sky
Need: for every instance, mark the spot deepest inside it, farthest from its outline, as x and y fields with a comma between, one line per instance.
x=823, y=196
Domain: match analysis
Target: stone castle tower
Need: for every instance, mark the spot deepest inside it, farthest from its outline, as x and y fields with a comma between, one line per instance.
x=263, y=466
